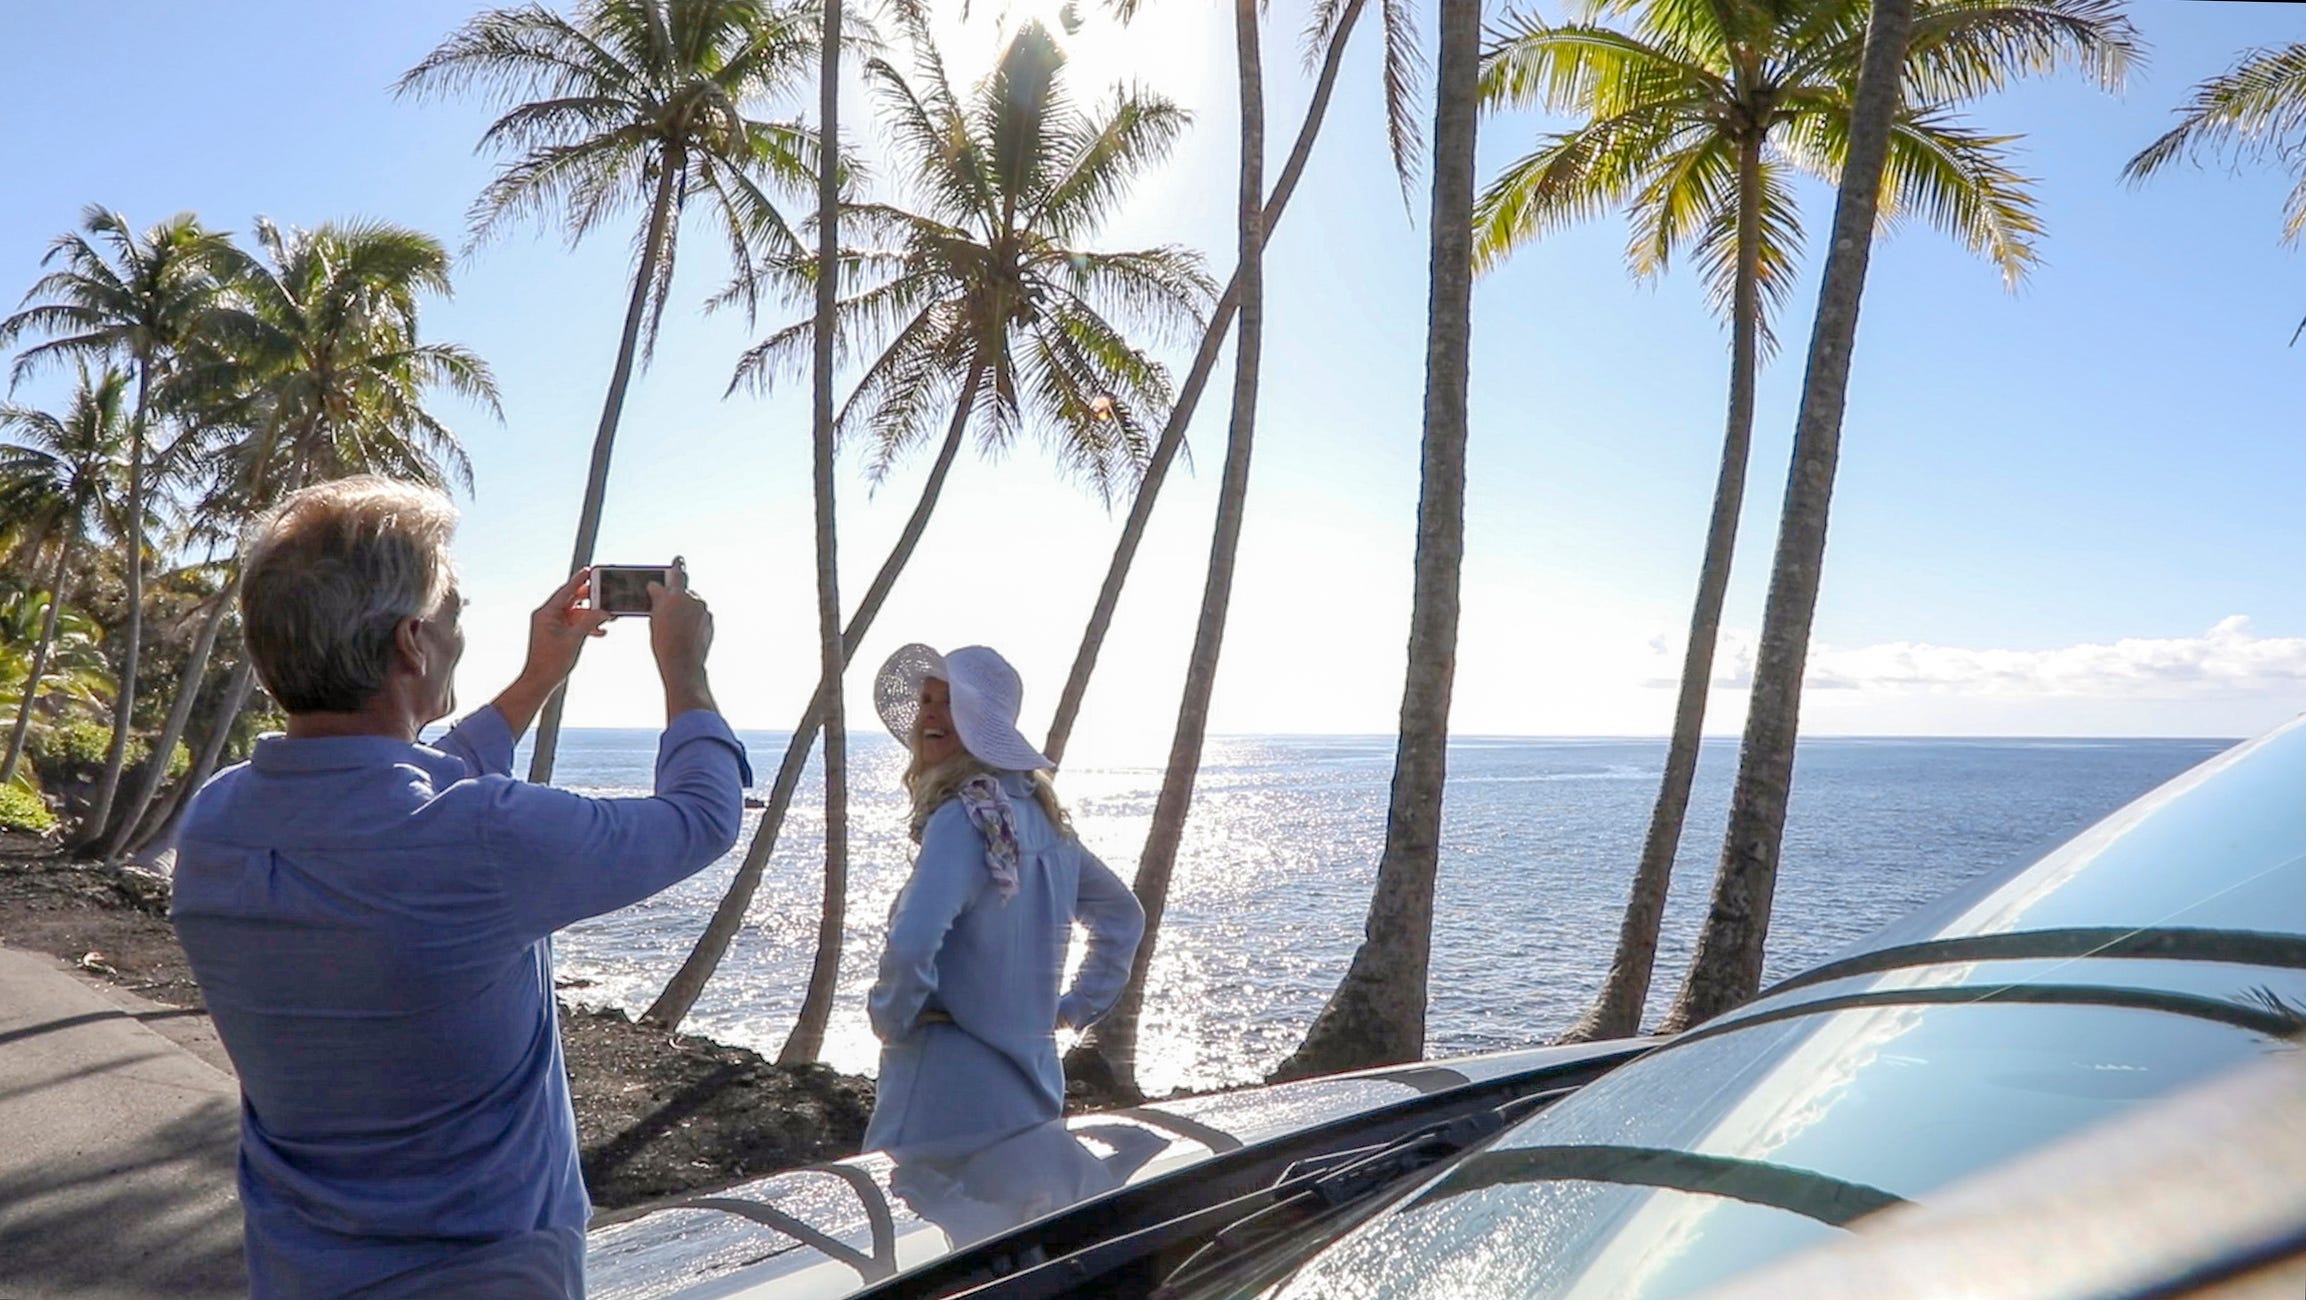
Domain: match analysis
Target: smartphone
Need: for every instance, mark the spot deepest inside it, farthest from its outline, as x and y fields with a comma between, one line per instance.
x=623, y=589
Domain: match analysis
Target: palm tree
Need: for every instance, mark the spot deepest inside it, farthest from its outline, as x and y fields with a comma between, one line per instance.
x=1332, y=25
x=1913, y=59
x=1377, y=1014
x=117, y=295
x=76, y=676
x=808, y=1038
x=321, y=357
x=2252, y=111
x=634, y=98
x=1695, y=121
x=984, y=304
x=60, y=475
x=1107, y=1055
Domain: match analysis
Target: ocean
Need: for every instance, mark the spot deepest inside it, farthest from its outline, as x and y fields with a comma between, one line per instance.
x=1540, y=838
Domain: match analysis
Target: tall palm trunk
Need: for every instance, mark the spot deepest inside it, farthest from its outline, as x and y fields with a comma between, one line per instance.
x=604, y=441
x=211, y=753
x=1616, y=1012
x=1377, y=1014
x=1727, y=967
x=808, y=1037
x=23, y=725
x=672, y=1006
x=128, y=829
x=131, y=814
x=1109, y=1054
x=1188, y=399
x=124, y=699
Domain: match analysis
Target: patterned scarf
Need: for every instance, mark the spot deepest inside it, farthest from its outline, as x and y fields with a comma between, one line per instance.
x=988, y=807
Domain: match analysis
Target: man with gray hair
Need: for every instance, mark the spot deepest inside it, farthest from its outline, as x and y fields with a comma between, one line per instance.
x=370, y=918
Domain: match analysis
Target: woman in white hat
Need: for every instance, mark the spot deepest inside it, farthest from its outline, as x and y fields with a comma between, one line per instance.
x=970, y=993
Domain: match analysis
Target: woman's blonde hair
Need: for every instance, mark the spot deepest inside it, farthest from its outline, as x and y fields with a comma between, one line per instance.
x=932, y=784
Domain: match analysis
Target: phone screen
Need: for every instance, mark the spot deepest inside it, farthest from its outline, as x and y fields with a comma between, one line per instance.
x=624, y=588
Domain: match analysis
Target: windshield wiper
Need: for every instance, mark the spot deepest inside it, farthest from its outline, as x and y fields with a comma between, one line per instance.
x=1315, y=1190
x=2255, y=1016
x=1305, y=1190
x=1758, y=1182
x=2156, y=943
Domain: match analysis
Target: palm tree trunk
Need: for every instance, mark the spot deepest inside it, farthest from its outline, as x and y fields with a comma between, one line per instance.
x=1726, y=969
x=236, y=690
x=124, y=698
x=672, y=1006
x=23, y=725
x=126, y=832
x=1108, y=1056
x=179, y=714
x=604, y=441
x=1616, y=1012
x=1377, y=1014
x=807, y=1041
x=1188, y=399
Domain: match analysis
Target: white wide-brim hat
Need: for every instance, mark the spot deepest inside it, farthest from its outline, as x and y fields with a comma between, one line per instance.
x=987, y=693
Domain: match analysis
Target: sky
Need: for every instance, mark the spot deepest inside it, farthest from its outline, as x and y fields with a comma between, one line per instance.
x=2069, y=510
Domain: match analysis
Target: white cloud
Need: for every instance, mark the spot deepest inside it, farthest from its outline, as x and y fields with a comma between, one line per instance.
x=2227, y=660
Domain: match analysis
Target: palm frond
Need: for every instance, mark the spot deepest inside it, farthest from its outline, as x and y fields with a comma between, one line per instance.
x=1572, y=176
x=1966, y=49
x=1590, y=70
x=1688, y=193
x=1778, y=257
x=1403, y=79
x=2252, y=110
x=1135, y=133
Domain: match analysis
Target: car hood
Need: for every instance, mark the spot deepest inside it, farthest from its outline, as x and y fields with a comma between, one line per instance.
x=833, y=1230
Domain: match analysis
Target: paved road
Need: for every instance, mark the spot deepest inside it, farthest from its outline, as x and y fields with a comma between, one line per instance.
x=117, y=1143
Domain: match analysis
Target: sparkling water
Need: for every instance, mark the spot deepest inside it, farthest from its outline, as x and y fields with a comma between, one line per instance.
x=1540, y=838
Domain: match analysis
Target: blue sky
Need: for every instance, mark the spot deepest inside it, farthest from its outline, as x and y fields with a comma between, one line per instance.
x=2053, y=506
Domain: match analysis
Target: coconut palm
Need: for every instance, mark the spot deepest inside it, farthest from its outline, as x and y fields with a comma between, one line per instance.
x=2252, y=111
x=1326, y=35
x=1107, y=1056
x=75, y=676
x=634, y=101
x=1727, y=966
x=983, y=309
x=59, y=476
x=824, y=450
x=117, y=295
x=1377, y=1014
x=1696, y=118
x=1915, y=59
x=320, y=372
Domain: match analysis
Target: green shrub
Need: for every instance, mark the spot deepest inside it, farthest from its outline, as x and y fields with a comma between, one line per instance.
x=69, y=758
x=21, y=810
x=81, y=743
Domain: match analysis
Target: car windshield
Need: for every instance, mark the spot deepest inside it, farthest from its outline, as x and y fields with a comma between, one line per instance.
x=2159, y=948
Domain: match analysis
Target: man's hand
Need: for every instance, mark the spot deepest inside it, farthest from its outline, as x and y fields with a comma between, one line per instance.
x=558, y=630
x=681, y=634
x=557, y=633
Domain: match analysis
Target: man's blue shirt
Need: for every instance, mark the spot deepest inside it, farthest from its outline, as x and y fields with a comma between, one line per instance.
x=369, y=921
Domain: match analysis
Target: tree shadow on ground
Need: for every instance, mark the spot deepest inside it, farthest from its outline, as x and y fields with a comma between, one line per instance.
x=162, y=1220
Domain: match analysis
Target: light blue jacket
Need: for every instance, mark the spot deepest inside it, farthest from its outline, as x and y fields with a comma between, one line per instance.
x=997, y=968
